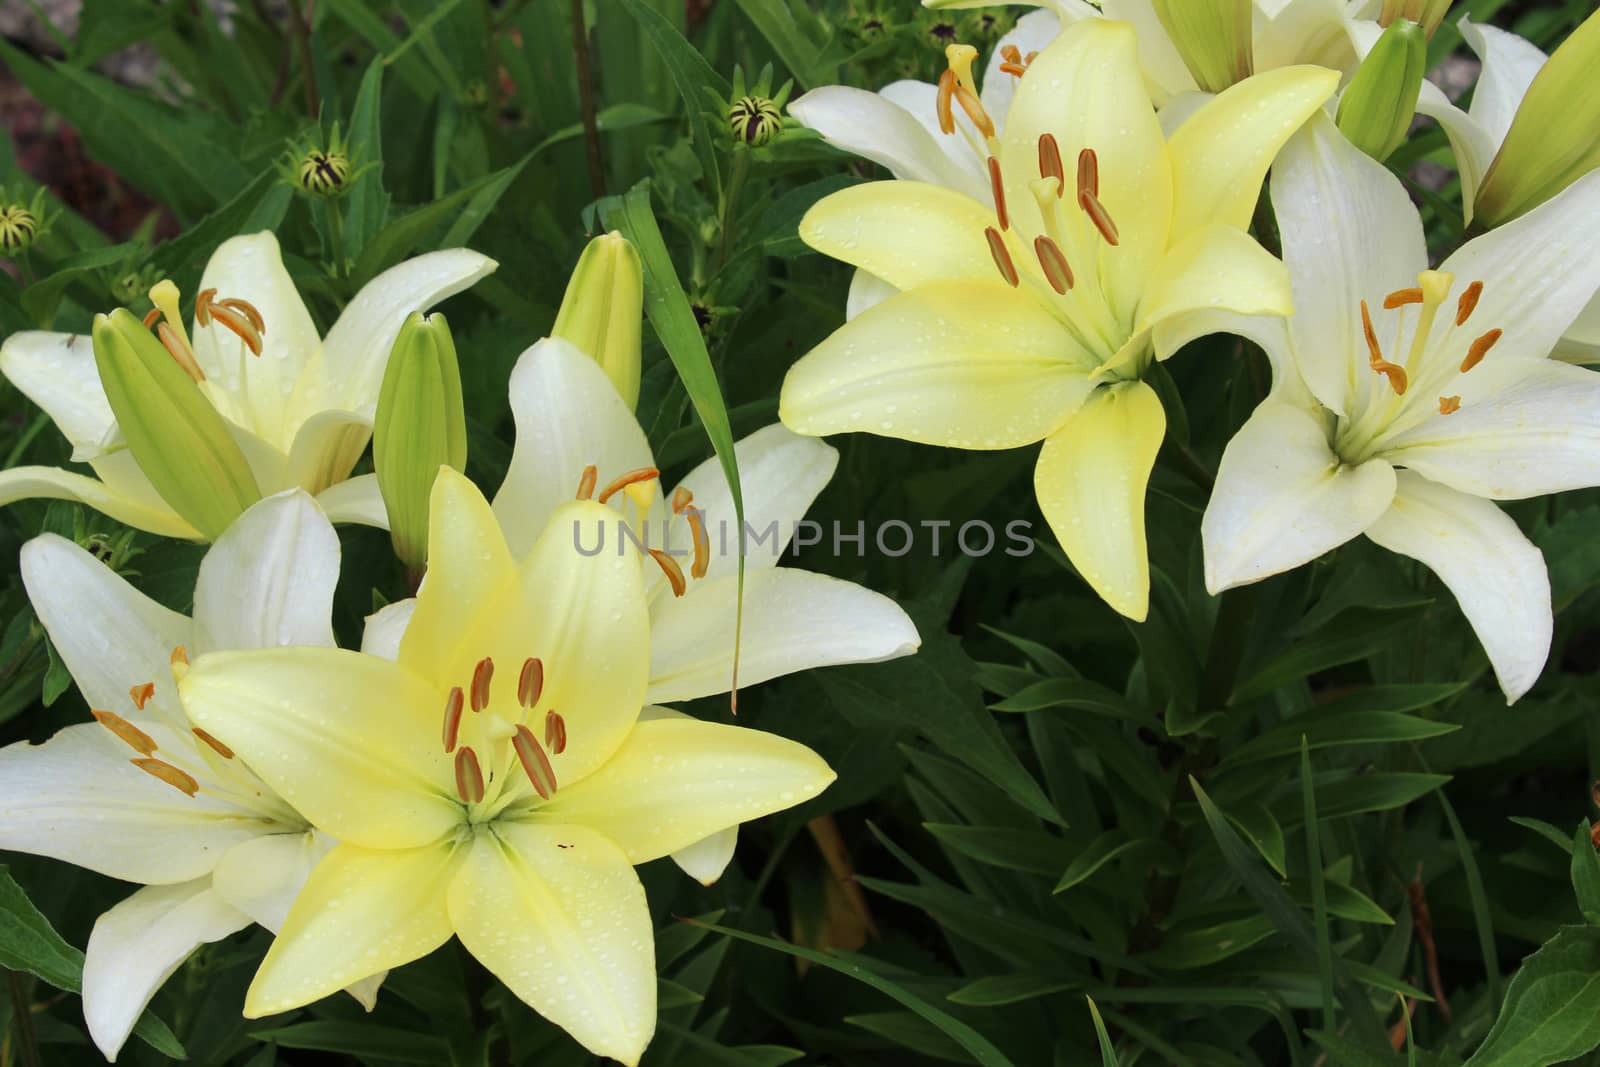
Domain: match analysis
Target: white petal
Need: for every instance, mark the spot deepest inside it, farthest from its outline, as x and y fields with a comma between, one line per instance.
x=261, y=877
x=53, y=483
x=1163, y=66
x=1304, y=31
x=568, y=416
x=136, y=946
x=1032, y=33
x=1509, y=66
x=793, y=621
x=269, y=579
x=921, y=101
x=57, y=371
x=1473, y=145
x=355, y=500
x=1283, y=498
x=1180, y=109
x=866, y=290
x=385, y=627
x=326, y=448
x=1497, y=575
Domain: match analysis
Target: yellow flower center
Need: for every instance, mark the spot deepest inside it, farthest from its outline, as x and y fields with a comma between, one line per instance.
x=489, y=728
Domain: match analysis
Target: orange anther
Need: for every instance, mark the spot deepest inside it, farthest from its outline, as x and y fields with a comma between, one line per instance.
x=482, y=675
x=152, y=317
x=202, y=306
x=591, y=475
x=1002, y=257
x=1402, y=297
x=1449, y=405
x=947, y=88
x=1395, y=373
x=248, y=310
x=702, y=543
x=1468, y=303
x=681, y=498
x=999, y=191
x=216, y=746
x=452, y=717
x=670, y=568
x=622, y=481
x=469, y=776
x=555, y=732
x=141, y=694
x=180, y=655
x=126, y=732
x=177, y=779
x=239, y=325
x=974, y=109
x=534, y=762
x=1099, y=216
x=530, y=683
x=1057, y=271
x=1479, y=349
x=1011, y=53
x=1050, y=162
x=179, y=350
x=1088, y=174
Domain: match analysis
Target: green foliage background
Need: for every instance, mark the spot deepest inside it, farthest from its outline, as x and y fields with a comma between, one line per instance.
x=1242, y=828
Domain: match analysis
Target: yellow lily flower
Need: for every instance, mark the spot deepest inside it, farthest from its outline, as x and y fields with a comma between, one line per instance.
x=1036, y=320
x=503, y=806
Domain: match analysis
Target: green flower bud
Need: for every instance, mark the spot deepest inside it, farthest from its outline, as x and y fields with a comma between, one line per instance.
x=421, y=425
x=1214, y=38
x=601, y=310
x=18, y=229
x=324, y=174
x=1554, y=139
x=179, y=441
x=1378, y=105
x=755, y=120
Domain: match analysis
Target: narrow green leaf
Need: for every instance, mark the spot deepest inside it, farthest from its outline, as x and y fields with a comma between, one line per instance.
x=367, y=206
x=1482, y=917
x=1319, y=892
x=1017, y=850
x=1334, y=728
x=1544, y=830
x=1108, y=1055
x=1076, y=694
x=1586, y=874
x=1101, y=851
x=360, y=1039
x=1351, y=636
x=692, y=75
x=1001, y=989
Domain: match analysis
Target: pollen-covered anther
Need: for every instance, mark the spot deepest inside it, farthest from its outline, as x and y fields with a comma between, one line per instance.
x=947, y=89
x=141, y=694
x=530, y=683
x=586, y=482
x=178, y=348
x=622, y=481
x=670, y=568
x=165, y=771
x=999, y=190
x=180, y=654
x=974, y=109
x=238, y=323
x=1013, y=62
x=534, y=761
x=482, y=675
x=202, y=306
x=555, y=732
x=681, y=498
x=1088, y=175
x=1002, y=257
x=1479, y=349
x=702, y=542
x=212, y=743
x=1099, y=216
x=126, y=732
x=1395, y=373
x=469, y=776
x=452, y=717
x=1449, y=405
x=1053, y=261
x=1050, y=162
x=1468, y=303
x=1401, y=297
x=152, y=317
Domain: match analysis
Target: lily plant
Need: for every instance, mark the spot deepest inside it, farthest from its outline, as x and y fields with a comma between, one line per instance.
x=1037, y=317
x=1407, y=400
x=140, y=794
x=298, y=406
x=495, y=782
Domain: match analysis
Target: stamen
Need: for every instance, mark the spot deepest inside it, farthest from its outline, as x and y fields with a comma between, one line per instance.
x=152, y=317
x=180, y=351
x=555, y=732
x=999, y=193
x=126, y=732
x=681, y=498
x=1054, y=263
x=530, y=683
x=1016, y=70
x=1099, y=216
x=168, y=773
x=591, y=474
x=1050, y=162
x=248, y=310
x=239, y=325
x=180, y=654
x=469, y=776
x=452, y=717
x=1449, y=405
x=1392, y=371
x=702, y=543
x=141, y=694
x=1479, y=349
x=216, y=746
x=643, y=474
x=1402, y=297
x=482, y=675
x=670, y=568
x=534, y=762
x=1028, y=59
x=1002, y=258
x=1468, y=303
x=1088, y=174
x=974, y=109
x=947, y=88
x=1011, y=54
x=202, y=306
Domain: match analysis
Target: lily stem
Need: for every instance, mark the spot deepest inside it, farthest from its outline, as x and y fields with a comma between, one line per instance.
x=591, y=124
x=730, y=202
x=22, y=1016
x=336, y=238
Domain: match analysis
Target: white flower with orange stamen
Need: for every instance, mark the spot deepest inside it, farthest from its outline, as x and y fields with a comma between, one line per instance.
x=574, y=431
x=300, y=406
x=495, y=782
x=1407, y=400
x=140, y=794
x=1036, y=319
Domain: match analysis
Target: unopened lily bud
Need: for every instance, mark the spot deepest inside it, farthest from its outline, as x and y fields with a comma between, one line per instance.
x=421, y=425
x=1378, y=105
x=1426, y=13
x=601, y=310
x=1214, y=38
x=18, y=229
x=1554, y=139
x=179, y=441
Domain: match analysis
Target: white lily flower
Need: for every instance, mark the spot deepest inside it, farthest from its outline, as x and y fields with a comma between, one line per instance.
x=569, y=418
x=1409, y=428
x=301, y=410
x=141, y=795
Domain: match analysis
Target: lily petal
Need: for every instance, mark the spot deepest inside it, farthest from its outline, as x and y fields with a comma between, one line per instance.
x=1497, y=575
x=1032, y=33
x=1283, y=498
x=385, y=627
x=1510, y=64
x=906, y=233
x=706, y=859
x=1304, y=31
x=362, y=911
x=53, y=483
x=793, y=621
x=1163, y=66
x=326, y=449
x=1473, y=146
x=966, y=364
x=261, y=877
x=557, y=914
x=1091, y=480
x=866, y=290
x=1214, y=269
x=358, y=501
x=875, y=127
x=57, y=371
x=137, y=945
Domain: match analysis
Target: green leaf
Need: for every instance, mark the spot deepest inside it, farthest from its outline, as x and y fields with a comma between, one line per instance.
x=360, y=1039
x=367, y=205
x=1000, y=989
x=692, y=75
x=1379, y=791
x=1101, y=851
x=1552, y=1008
x=1339, y=723
x=781, y=25
x=41, y=299
x=1319, y=892
x=1108, y=1055
x=1352, y=635
x=260, y=205
x=910, y=1031
x=1546, y=831
x=1076, y=694
x=1017, y=850
x=1586, y=874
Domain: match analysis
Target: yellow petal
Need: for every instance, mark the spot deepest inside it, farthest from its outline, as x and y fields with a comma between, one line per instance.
x=1091, y=480
x=906, y=233
x=352, y=741
x=1218, y=268
x=1221, y=154
x=557, y=914
x=965, y=364
x=362, y=911
x=678, y=780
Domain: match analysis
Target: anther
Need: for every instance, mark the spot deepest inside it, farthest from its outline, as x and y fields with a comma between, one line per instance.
x=239, y=325
x=1099, y=216
x=530, y=683
x=141, y=694
x=1479, y=349
x=1011, y=54
x=670, y=568
x=1468, y=303
x=482, y=675
x=974, y=109
x=126, y=732
x=534, y=762
x=947, y=88
x=180, y=654
x=179, y=350
x=1057, y=271
x=469, y=776
x=1401, y=297
x=681, y=498
x=702, y=543
x=1088, y=174
x=1393, y=372
x=248, y=310
x=168, y=773
x=452, y=717
x=1050, y=162
x=1449, y=405
x=1002, y=258
x=622, y=481
x=999, y=193
x=555, y=732
x=152, y=317
x=216, y=746
x=591, y=475
x=202, y=306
